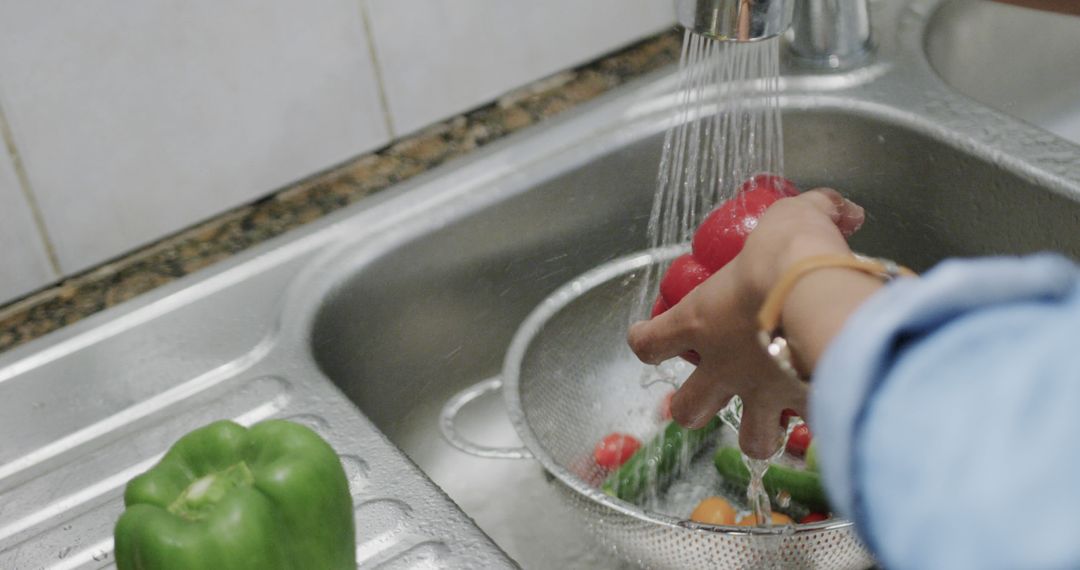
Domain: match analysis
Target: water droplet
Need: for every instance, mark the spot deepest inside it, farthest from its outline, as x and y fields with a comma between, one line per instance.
x=356, y=471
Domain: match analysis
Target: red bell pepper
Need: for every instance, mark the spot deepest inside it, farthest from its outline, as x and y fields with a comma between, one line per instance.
x=718, y=239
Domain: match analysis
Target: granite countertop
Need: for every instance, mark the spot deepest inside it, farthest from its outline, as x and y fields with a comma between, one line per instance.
x=234, y=231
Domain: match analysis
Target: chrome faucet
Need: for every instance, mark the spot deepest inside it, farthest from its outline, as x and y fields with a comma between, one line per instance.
x=826, y=34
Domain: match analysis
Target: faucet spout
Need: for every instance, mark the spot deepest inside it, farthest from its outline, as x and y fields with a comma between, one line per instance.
x=736, y=20
x=824, y=34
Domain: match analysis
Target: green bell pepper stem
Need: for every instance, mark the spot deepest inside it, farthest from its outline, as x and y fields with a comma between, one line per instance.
x=231, y=498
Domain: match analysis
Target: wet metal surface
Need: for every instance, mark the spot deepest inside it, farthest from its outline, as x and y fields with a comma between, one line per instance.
x=363, y=323
x=974, y=46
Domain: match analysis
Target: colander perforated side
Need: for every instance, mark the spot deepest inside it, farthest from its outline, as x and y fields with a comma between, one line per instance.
x=570, y=378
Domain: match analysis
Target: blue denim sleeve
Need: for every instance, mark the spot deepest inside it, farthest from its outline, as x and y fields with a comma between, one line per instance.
x=945, y=416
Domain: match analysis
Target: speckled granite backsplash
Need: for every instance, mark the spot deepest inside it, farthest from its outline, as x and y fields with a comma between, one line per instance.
x=239, y=229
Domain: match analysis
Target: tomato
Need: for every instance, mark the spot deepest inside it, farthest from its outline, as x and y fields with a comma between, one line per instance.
x=615, y=449
x=683, y=276
x=718, y=240
x=660, y=306
x=786, y=415
x=586, y=469
x=813, y=518
x=665, y=406
x=799, y=440
x=779, y=185
x=777, y=519
x=723, y=233
x=714, y=510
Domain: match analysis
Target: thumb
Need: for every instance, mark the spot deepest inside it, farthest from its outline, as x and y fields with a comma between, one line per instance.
x=760, y=434
x=847, y=215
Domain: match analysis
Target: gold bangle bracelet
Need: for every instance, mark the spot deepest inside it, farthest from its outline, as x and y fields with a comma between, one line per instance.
x=769, y=316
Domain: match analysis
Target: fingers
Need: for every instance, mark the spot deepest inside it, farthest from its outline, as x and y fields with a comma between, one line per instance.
x=847, y=215
x=760, y=434
x=666, y=335
x=698, y=400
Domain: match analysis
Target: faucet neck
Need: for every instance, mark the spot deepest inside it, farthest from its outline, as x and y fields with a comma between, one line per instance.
x=735, y=20
x=831, y=34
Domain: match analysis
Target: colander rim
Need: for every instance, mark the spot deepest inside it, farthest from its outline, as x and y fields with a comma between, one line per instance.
x=519, y=345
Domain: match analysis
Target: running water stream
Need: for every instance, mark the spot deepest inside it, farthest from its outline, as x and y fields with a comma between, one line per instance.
x=726, y=129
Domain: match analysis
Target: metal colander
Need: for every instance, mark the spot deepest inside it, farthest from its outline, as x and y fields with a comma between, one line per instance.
x=569, y=378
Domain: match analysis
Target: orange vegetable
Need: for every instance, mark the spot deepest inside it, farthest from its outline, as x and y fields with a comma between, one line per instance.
x=778, y=518
x=714, y=510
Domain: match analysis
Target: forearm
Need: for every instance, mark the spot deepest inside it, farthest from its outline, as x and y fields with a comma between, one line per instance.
x=817, y=308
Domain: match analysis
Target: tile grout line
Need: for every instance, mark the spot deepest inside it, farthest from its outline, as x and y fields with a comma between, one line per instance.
x=384, y=101
x=31, y=200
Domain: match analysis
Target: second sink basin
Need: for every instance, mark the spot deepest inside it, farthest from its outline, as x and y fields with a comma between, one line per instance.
x=1020, y=61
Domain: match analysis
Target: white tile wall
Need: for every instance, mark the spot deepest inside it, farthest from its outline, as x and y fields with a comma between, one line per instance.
x=24, y=265
x=135, y=118
x=440, y=57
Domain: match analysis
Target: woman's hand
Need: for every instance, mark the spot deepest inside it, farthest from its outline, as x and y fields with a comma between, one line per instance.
x=718, y=320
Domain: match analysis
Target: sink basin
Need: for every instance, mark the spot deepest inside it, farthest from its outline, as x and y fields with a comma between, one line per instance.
x=1019, y=61
x=407, y=330
x=363, y=323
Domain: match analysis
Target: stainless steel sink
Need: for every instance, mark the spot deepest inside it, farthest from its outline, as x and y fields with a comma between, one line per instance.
x=1019, y=61
x=401, y=333
x=363, y=323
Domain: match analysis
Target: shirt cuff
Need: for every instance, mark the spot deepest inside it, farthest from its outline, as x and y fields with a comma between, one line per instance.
x=858, y=361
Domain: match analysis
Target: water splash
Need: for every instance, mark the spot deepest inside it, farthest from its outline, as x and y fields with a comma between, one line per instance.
x=756, y=495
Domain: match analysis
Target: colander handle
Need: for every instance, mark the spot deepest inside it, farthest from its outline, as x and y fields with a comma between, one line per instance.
x=450, y=411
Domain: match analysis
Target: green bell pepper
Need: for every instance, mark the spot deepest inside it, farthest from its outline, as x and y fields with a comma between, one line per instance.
x=230, y=498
